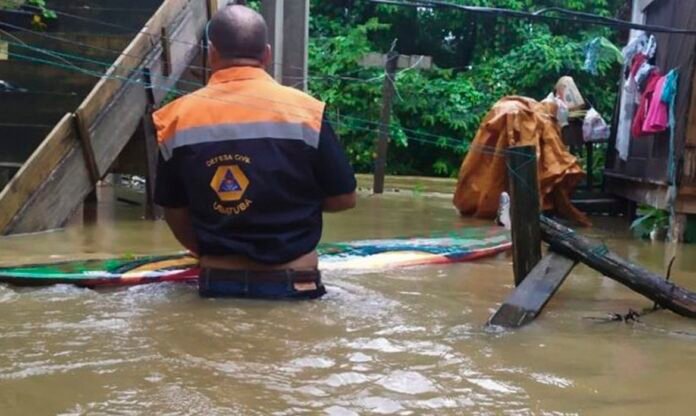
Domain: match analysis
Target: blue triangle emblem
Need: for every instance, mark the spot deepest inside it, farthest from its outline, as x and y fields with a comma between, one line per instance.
x=229, y=184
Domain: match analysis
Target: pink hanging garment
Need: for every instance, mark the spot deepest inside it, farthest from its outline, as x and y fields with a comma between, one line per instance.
x=657, y=119
x=645, y=100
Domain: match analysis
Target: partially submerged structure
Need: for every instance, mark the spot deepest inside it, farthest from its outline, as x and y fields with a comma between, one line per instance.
x=643, y=177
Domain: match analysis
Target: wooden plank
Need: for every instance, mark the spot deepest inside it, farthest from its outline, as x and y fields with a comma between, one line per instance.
x=642, y=193
x=36, y=169
x=635, y=179
x=527, y=301
x=663, y=292
x=188, y=30
x=117, y=125
x=85, y=139
x=114, y=79
x=131, y=58
x=57, y=199
x=688, y=173
x=691, y=121
x=152, y=211
x=87, y=149
x=524, y=210
x=166, y=53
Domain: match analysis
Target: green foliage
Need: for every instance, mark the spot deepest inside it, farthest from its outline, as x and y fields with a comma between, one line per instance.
x=598, y=161
x=45, y=12
x=649, y=219
x=41, y=14
x=479, y=59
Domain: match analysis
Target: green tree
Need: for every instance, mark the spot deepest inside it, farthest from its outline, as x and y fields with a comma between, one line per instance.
x=479, y=59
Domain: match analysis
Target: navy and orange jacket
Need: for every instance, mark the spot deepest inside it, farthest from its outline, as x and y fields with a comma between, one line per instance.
x=253, y=161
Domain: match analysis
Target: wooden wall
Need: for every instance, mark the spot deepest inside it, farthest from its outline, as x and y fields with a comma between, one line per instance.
x=644, y=176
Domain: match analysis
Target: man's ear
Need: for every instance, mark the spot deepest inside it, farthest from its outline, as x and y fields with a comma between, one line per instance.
x=267, y=56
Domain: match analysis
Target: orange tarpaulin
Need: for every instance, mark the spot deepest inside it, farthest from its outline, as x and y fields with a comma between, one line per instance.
x=518, y=121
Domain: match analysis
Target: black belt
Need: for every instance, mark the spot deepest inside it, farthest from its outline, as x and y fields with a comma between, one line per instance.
x=261, y=276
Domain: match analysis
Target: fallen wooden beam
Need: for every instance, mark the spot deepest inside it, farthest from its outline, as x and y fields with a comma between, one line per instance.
x=666, y=294
x=526, y=302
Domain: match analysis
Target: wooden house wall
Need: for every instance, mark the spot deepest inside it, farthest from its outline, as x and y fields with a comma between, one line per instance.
x=676, y=52
x=646, y=171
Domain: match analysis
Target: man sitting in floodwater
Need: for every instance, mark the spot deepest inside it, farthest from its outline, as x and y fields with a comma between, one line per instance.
x=246, y=168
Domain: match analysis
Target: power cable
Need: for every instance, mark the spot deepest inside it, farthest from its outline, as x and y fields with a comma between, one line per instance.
x=434, y=139
x=541, y=15
x=416, y=136
x=342, y=77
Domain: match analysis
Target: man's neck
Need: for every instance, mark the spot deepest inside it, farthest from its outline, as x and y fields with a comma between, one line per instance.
x=237, y=62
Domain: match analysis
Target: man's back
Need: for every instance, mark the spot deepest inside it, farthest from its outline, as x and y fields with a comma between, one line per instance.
x=246, y=169
x=252, y=164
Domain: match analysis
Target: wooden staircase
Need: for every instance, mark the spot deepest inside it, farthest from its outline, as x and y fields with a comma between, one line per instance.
x=81, y=148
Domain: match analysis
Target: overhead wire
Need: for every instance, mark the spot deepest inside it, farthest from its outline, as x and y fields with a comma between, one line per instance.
x=541, y=15
x=11, y=36
x=138, y=69
x=432, y=139
x=134, y=31
x=29, y=125
x=116, y=53
x=88, y=46
x=417, y=136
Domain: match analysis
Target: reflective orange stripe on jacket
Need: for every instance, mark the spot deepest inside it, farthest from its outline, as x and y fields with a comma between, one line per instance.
x=239, y=103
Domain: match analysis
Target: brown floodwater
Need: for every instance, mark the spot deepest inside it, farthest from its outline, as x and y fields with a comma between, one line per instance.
x=404, y=342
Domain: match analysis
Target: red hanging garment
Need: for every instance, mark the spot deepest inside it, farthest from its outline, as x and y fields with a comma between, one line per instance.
x=645, y=99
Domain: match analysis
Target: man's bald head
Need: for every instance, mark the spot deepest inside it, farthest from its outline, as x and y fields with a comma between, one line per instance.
x=238, y=32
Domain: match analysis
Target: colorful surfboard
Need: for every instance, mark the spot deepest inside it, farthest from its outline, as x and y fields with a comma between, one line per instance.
x=466, y=244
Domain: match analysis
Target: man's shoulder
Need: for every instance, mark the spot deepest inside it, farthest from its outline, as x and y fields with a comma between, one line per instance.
x=300, y=95
x=180, y=102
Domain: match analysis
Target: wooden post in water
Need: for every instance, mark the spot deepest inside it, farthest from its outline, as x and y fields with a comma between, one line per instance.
x=385, y=119
x=152, y=211
x=536, y=279
x=524, y=210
